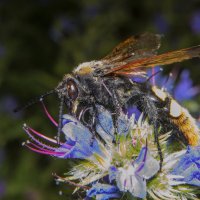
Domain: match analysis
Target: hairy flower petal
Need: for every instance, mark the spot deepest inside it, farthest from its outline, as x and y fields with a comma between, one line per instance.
x=189, y=167
x=128, y=181
x=104, y=126
x=123, y=124
x=103, y=191
x=84, y=143
x=148, y=166
x=133, y=176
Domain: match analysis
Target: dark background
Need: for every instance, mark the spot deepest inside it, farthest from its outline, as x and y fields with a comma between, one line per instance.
x=40, y=41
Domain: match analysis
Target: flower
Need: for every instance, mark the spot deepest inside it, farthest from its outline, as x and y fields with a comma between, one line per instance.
x=185, y=84
x=195, y=22
x=168, y=83
x=133, y=176
x=123, y=160
x=189, y=167
x=161, y=23
x=103, y=191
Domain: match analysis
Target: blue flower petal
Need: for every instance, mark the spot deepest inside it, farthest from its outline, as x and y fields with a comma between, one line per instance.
x=132, y=177
x=195, y=22
x=193, y=178
x=185, y=84
x=189, y=166
x=103, y=191
x=133, y=110
x=147, y=165
x=159, y=79
x=128, y=181
x=191, y=157
x=138, y=187
x=105, y=126
x=123, y=124
x=76, y=131
x=81, y=139
x=142, y=156
x=112, y=173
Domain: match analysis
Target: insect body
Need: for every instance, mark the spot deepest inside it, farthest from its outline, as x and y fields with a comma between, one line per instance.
x=108, y=82
x=178, y=117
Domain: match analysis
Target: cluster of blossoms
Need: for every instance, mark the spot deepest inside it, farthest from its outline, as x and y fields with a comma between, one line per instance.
x=127, y=168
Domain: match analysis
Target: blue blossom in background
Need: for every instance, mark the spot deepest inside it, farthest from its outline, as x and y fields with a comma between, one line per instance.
x=185, y=90
x=184, y=84
x=161, y=23
x=163, y=81
x=133, y=111
x=168, y=84
x=195, y=22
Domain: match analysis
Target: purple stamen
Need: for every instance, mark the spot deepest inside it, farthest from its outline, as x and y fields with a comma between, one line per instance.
x=66, y=146
x=143, y=162
x=124, y=183
x=37, y=141
x=41, y=135
x=45, y=150
x=48, y=114
x=37, y=151
x=42, y=151
x=38, y=147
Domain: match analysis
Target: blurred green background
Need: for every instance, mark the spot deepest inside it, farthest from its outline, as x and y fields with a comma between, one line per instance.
x=40, y=41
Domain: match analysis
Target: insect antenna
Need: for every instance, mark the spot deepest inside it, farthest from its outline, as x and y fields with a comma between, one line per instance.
x=60, y=118
x=33, y=101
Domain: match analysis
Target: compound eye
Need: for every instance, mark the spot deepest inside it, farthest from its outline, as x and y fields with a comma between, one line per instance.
x=72, y=89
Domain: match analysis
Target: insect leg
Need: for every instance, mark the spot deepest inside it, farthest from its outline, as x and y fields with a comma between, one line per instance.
x=87, y=116
x=93, y=120
x=60, y=119
x=116, y=103
x=158, y=145
x=149, y=108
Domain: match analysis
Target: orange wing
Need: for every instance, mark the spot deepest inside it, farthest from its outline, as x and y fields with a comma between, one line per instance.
x=138, y=46
x=132, y=49
x=163, y=59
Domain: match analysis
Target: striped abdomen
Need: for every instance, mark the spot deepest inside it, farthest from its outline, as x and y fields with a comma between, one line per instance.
x=180, y=117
